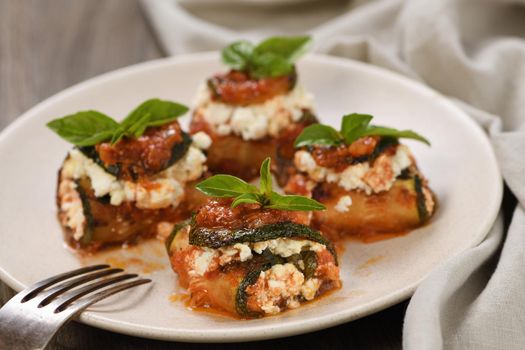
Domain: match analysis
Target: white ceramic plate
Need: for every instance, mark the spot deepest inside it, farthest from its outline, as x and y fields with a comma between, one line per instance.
x=460, y=165
x=244, y=2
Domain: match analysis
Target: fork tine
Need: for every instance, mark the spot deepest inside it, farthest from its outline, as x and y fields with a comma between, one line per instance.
x=34, y=289
x=64, y=300
x=86, y=302
x=48, y=295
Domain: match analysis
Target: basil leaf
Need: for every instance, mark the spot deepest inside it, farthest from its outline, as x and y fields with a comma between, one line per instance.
x=273, y=57
x=225, y=186
x=251, y=198
x=153, y=112
x=288, y=48
x=238, y=54
x=140, y=125
x=374, y=130
x=266, y=177
x=161, y=112
x=269, y=65
x=293, y=203
x=353, y=126
x=86, y=128
x=318, y=134
x=118, y=134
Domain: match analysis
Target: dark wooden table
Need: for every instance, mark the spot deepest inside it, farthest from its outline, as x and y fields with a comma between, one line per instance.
x=48, y=45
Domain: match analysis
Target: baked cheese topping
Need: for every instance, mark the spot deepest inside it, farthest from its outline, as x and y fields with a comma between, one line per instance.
x=164, y=189
x=361, y=176
x=256, y=121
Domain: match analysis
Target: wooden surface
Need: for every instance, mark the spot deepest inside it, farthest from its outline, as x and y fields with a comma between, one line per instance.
x=48, y=45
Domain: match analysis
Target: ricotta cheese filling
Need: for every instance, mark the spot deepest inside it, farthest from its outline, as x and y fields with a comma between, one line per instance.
x=255, y=121
x=282, y=284
x=284, y=247
x=361, y=176
x=71, y=207
x=163, y=190
x=344, y=203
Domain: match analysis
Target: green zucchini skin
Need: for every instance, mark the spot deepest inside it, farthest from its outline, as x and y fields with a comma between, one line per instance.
x=421, y=207
x=310, y=263
x=180, y=149
x=176, y=229
x=86, y=208
x=241, y=298
x=309, y=259
x=177, y=152
x=219, y=237
x=91, y=153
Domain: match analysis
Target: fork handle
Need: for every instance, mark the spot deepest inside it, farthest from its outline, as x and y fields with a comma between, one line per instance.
x=21, y=330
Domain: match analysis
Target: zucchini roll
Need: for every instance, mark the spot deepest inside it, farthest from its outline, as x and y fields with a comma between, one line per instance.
x=370, y=185
x=252, y=252
x=253, y=112
x=137, y=187
x=250, y=261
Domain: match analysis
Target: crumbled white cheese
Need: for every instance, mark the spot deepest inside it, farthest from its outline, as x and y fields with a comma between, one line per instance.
x=218, y=113
x=353, y=177
x=401, y=160
x=275, y=284
x=284, y=282
x=71, y=206
x=238, y=252
x=429, y=200
x=248, y=124
x=286, y=247
x=362, y=176
x=305, y=162
x=189, y=168
x=255, y=121
x=78, y=165
x=166, y=192
x=310, y=287
x=202, y=261
x=343, y=204
x=245, y=252
x=293, y=303
x=270, y=308
x=164, y=189
x=201, y=140
x=223, y=129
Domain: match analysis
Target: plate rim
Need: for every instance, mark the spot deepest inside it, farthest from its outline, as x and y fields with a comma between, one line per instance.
x=270, y=332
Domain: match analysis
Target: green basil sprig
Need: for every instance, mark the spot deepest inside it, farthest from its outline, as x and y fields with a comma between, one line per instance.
x=353, y=127
x=87, y=128
x=232, y=187
x=273, y=57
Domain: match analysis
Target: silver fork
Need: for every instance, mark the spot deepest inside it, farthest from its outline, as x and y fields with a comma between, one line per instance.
x=31, y=318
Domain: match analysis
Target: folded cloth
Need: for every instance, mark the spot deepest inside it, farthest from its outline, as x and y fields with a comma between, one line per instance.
x=470, y=50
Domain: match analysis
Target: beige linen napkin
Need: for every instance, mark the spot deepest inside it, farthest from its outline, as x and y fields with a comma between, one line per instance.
x=470, y=50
